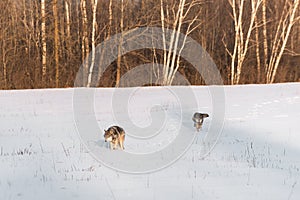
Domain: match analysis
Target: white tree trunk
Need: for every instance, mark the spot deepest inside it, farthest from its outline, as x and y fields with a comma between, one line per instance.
x=241, y=44
x=44, y=44
x=258, y=62
x=56, y=42
x=95, y=2
x=265, y=36
x=67, y=8
x=4, y=61
x=162, y=18
x=287, y=24
x=118, y=73
x=180, y=20
x=171, y=56
x=110, y=12
x=85, y=42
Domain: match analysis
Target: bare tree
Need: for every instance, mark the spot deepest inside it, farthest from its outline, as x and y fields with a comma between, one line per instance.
x=281, y=37
x=94, y=5
x=118, y=73
x=265, y=36
x=44, y=44
x=56, y=42
x=67, y=39
x=85, y=40
x=5, y=51
x=67, y=9
x=110, y=16
x=241, y=43
x=258, y=62
x=171, y=57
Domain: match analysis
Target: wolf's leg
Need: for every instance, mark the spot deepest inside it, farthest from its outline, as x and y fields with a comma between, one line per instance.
x=198, y=126
x=111, y=145
x=121, y=144
x=122, y=138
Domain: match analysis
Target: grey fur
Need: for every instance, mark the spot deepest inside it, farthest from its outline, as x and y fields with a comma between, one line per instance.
x=116, y=135
x=198, y=119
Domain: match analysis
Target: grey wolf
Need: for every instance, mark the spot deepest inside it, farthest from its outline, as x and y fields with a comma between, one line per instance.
x=198, y=119
x=115, y=135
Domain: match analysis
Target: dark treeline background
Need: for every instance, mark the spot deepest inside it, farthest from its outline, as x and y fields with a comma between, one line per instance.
x=44, y=42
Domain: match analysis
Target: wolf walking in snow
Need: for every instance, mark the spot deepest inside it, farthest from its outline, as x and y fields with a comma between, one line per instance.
x=115, y=135
x=198, y=119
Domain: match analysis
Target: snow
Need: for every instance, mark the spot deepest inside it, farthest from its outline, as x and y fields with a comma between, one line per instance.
x=42, y=155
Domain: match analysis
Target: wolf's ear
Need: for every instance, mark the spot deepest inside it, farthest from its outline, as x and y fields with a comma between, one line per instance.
x=105, y=130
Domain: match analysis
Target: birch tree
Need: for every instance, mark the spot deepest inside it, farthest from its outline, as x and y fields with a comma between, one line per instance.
x=265, y=36
x=5, y=51
x=118, y=73
x=257, y=50
x=110, y=17
x=281, y=37
x=44, y=44
x=241, y=42
x=56, y=42
x=94, y=26
x=67, y=9
x=171, y=56
x=84, y=40
x=68, y=29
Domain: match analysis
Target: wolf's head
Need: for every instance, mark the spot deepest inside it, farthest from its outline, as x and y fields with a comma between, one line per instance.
x=198, y=117
x=108, y=137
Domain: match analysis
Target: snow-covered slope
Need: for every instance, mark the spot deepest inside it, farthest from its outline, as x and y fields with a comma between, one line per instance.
x=257, y=155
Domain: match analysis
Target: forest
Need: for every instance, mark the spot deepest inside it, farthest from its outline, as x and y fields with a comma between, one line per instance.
x=43, y=43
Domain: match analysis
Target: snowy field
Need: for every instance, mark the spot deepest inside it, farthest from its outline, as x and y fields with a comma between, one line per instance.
x=257, y=155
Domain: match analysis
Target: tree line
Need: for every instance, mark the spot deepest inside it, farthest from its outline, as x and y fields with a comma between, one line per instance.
x=44, y=42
